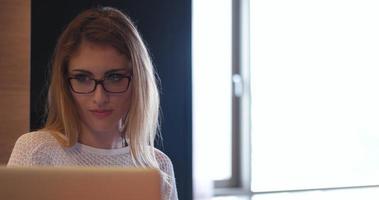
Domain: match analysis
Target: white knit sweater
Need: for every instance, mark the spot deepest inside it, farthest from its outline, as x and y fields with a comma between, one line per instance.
x=40, y=148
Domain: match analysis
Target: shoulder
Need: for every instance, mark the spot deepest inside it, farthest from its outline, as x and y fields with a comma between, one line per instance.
x=36, y=140
x=169, y=185
x=164, y=161
x=33, y=148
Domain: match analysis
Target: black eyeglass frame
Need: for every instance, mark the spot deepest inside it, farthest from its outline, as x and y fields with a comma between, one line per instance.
x=99, y=82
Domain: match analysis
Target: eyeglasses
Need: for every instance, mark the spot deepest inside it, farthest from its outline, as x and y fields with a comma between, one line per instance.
x=83, y=84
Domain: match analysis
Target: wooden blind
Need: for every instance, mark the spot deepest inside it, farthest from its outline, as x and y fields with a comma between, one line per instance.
x=14, y=73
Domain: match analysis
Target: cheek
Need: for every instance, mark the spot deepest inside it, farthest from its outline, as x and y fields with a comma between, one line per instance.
x=125, y=102
x=79, y=101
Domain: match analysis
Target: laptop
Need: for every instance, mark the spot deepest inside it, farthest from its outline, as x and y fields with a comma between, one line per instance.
x=79, y=183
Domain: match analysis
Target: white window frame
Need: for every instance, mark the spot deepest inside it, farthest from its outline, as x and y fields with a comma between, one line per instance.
x=239, y=183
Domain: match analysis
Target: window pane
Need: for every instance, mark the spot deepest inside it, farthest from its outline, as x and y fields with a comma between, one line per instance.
x=212, y=84
x=315, y=93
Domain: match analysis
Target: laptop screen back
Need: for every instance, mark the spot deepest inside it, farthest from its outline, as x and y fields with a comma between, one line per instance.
x=79, y=183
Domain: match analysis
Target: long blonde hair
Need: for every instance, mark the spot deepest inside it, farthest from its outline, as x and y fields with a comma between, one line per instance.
x=106, y=26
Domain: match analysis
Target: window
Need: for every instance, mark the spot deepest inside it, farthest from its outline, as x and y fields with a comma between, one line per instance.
x=304, y=93
x=212, y=72
x=212, y=96
x=220, y=91
x=315, y=94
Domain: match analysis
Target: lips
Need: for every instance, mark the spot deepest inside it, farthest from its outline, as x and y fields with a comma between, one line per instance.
x=100, y=114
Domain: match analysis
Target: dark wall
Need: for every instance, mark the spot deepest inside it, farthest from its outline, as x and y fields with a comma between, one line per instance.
x=166, y=28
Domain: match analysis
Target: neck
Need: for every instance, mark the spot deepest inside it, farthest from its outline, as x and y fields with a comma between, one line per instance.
x=103, y=140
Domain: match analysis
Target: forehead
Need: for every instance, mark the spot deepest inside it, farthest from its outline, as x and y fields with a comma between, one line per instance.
x=97, y=58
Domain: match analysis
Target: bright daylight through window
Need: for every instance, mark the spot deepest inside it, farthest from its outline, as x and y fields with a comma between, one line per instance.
x=212, y=87
x=315, y=94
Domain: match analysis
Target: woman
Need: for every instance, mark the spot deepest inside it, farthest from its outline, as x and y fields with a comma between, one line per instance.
x=103, y=101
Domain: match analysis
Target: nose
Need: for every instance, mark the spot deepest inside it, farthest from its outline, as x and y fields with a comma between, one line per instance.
x=100, y=96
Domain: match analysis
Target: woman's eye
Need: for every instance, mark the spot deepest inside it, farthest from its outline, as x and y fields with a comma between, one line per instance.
x=82, y=78
x=115, y=77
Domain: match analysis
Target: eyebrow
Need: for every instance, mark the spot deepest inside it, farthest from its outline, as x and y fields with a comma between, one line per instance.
x=106, y=73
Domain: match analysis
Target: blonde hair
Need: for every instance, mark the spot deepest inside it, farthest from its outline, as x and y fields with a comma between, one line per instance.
x=111, y=27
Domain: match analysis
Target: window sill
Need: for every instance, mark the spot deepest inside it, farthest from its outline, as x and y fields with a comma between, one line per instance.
x=371, y=193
